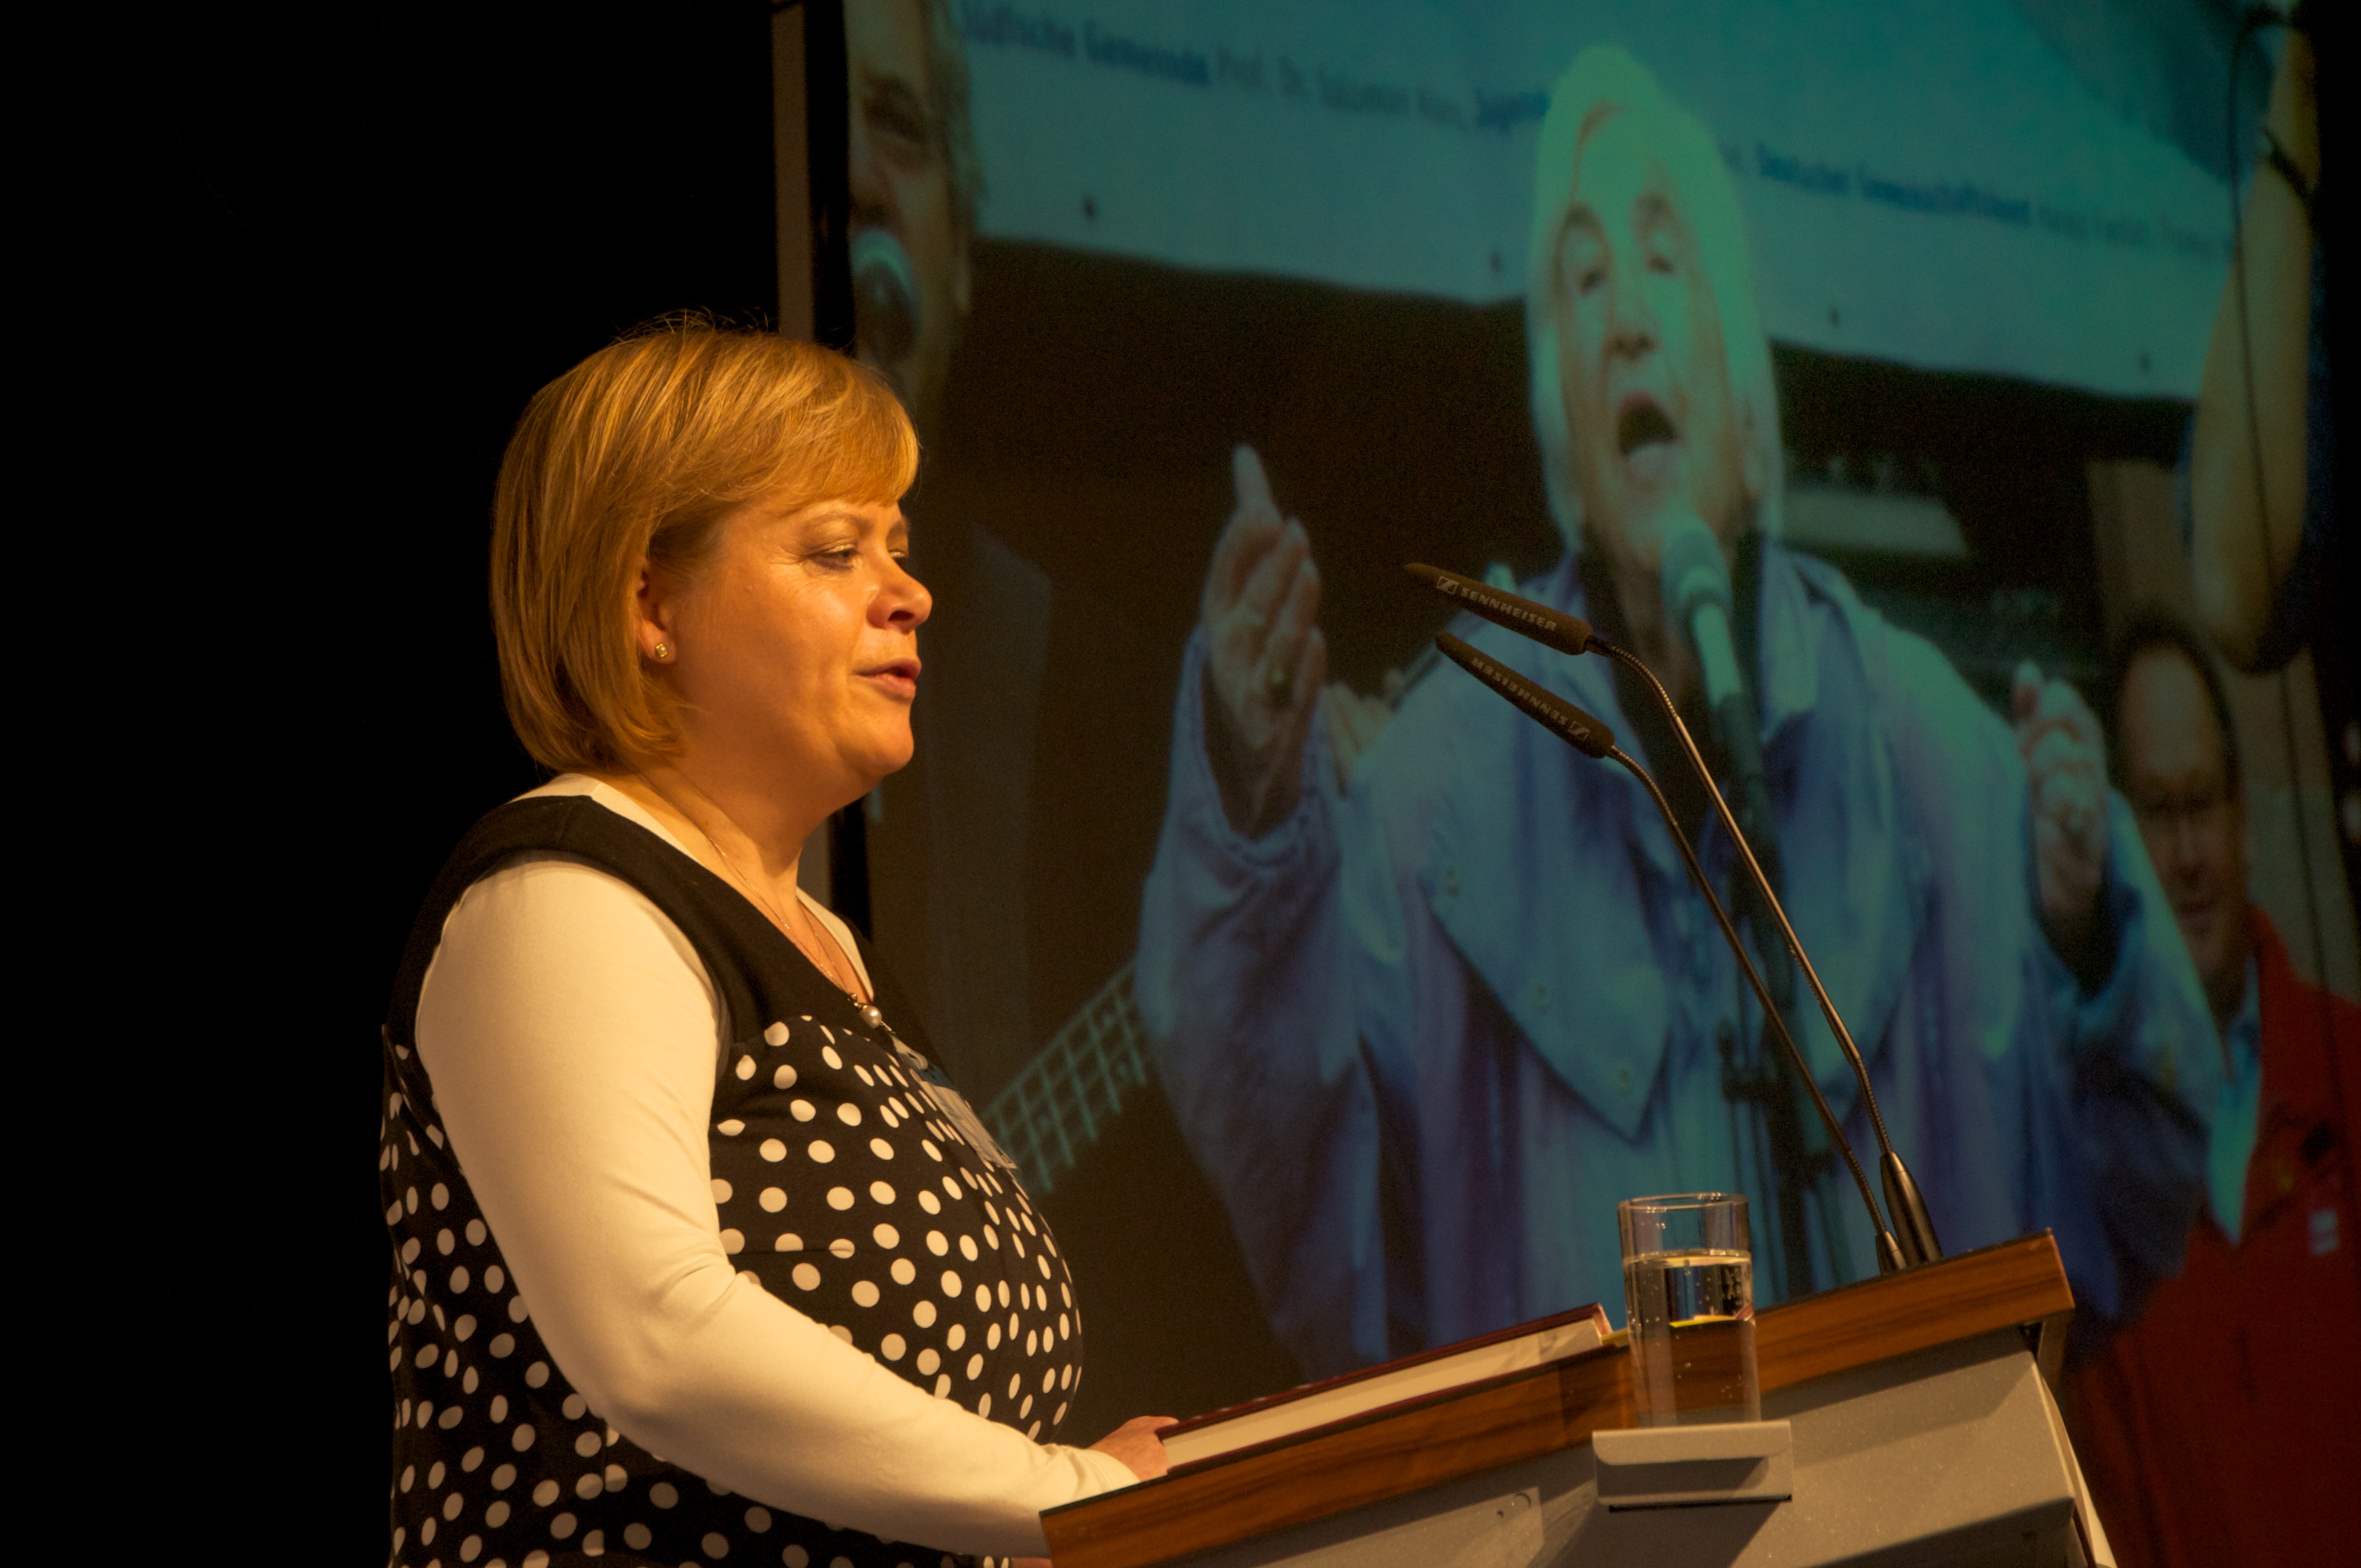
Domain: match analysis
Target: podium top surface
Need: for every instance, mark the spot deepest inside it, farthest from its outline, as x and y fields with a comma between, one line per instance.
x=1522, y=1415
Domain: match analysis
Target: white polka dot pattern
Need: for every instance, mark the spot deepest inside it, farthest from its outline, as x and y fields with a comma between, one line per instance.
x=838, y=1186
x=499, y=1459
x=869, y=1246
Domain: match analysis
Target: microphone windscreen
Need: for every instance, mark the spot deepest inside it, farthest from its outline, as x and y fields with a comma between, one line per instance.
x=1553, y=712
x=884, y=294
x=1694, y=572
x=1552, y=627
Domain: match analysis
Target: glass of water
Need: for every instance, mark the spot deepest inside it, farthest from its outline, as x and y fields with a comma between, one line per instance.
x=1688, y=1286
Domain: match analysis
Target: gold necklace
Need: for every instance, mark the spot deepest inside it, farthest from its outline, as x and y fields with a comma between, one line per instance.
x=821, y=959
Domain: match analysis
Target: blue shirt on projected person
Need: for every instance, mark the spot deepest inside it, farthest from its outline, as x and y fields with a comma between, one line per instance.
x=1429, y=1030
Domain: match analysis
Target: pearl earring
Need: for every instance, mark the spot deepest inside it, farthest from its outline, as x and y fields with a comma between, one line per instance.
x=663, y=652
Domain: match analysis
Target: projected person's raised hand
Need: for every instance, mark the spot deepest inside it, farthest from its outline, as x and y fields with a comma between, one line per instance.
x=2065, y=765
x=1266, y=657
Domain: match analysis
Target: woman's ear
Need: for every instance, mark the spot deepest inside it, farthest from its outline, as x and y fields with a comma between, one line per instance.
x=652, y=617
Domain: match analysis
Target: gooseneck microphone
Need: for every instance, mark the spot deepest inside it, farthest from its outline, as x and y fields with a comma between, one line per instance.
x=1586, y=735
x=1522, y=615
x=1568, y=634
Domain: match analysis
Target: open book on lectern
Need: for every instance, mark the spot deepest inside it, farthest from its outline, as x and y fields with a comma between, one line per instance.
x=1356, y=1393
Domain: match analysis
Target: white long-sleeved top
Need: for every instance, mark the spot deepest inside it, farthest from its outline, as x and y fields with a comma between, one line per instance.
x=571, y=1034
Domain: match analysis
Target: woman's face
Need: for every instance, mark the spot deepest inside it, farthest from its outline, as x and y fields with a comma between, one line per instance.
x=795, y=648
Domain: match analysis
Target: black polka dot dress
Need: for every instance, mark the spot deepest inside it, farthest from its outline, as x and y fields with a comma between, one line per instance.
x=844, y=1185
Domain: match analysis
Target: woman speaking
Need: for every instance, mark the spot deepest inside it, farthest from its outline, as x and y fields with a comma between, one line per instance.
x=696, y=1256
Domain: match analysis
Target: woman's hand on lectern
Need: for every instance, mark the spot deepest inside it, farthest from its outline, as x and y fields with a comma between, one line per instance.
x=1266, y=657
x=1136, y=1443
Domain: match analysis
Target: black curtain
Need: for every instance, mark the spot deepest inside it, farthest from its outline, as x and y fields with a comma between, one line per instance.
x=364, y=237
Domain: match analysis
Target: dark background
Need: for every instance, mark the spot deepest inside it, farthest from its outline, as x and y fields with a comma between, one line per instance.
x=368, y=235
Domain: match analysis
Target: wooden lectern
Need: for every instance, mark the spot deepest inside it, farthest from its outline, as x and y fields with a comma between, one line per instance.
x=1923, y=1431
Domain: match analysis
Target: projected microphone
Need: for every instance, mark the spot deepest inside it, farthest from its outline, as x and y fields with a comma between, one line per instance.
x=1696, y=591
x=1696, y=594
x=1518, y=614
x=884, y=295
x=1593, y=739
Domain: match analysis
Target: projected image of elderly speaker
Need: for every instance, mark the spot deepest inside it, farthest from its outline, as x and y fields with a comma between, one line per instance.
x=951, y=855
x=1426, y=1019
x=914, y=179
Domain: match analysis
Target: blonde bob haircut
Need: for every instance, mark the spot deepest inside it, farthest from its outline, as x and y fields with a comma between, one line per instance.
x=635, y=455
x=1602, y=83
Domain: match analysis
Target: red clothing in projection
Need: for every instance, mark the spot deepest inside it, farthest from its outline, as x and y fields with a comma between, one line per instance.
x=2224, y=1426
